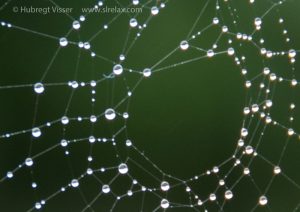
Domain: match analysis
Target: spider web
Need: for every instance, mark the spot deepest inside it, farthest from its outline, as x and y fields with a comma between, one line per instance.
x=68, y=87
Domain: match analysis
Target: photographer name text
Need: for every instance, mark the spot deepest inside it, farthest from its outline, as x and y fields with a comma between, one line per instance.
x=41, y=10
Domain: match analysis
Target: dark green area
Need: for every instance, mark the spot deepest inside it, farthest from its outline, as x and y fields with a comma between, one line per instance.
x=185, y=119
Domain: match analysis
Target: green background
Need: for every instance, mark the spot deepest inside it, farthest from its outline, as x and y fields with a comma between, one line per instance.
x=186, y=119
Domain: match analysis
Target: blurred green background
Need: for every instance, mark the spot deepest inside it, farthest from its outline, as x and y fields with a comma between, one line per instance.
x=185, y=119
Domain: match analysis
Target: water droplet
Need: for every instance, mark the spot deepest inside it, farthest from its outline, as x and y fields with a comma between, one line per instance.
x=294, y=82
x=273, y=77
x=28, y=162
x=244, y=132
x=154, y=10
x=147, y=72
x=133, y=22
x=125, y=115
x=184, y=45
x=128, y=143
x=164, y=186
x=80, y=44
x=291, y=131
x=92, y=139
x=255, y=108
x=65, y=120
x=118, y=69
x=269, y=103
x=246, y=110
x=248, y=84
x=38, y=205
x=246, y=171
x=277, y=170
x=215, y=169
x=164, y=203
x=129, y=193
x=63, y=42
x=122, y=57
x=89, y=171
x=110, y=114
x=105, y=189
x=263, y=200
x=241, y=142
x=76, y=25
x=224, y=29
x=215, y=20
x=9, y=174
x=228, y=194
x=292, y=53
x=221, y=182
x=257, y=22
x=86, y=45
x=210, y=53
x=39, y=87
x=135, y=2
x=33, y=185
x=123, y=169
x=212, y=197
x=266, y=71
x=63, y=143
x=36, y=132
x=249, y=150
x=230, y=51
x=93, y=118
x=74, y=183
x=82, y=18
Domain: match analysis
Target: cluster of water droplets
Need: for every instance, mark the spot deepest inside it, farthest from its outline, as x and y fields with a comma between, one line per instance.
x=245, y=148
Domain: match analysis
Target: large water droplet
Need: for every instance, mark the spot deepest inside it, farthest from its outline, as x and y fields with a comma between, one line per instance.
x=228, y=194
x=38, y=205
x=154, y=10
x=74, y=183
x=110, y=114
x=76, y=25
x=184, y=45
x=118, y=69
x=65, y=120
x=164, y=186
x=133, y=22
x=212, y=197
x=277, y=170
x=210, y=53
x=36, y=132
x=123, y=169
x=263, y=200
x=164, y=203
x=105, y=189
x=147, y=72
x=292, y=53
x=39, y=87
x=28, y=162
x=63, y=143
x=63, y=42
x=9, y=174
x=135, y=2
x=257, y=21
